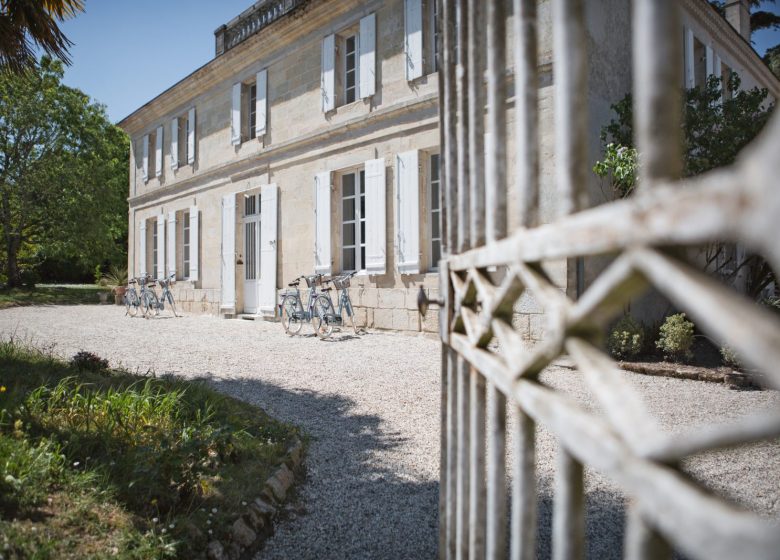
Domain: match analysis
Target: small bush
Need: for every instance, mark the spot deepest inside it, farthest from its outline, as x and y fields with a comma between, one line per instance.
x=626, y=339
x=676, y=338
x=87, y=361
x=730, y=357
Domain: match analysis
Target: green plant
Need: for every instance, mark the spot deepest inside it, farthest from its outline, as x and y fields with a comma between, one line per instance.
x=87, y=361
x=626, y=339
x=676, y=338
x=115, y=277
x=619, y=167
x=730, y=357
x=26, y=471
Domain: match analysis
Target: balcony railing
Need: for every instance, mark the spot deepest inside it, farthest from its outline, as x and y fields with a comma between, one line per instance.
x=258, y=17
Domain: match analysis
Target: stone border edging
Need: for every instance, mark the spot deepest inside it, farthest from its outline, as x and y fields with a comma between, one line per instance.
x=256, y=524
x=732, y=379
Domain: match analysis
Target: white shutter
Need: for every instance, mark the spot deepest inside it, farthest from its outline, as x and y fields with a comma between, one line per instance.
x=171, y=242
x=376, y=227
x=367, y=70
x=322, y=257
x=328, y=73
x=158, y=152
x=194, y=241
x=710, y=63
x=261, y=102
x=690, y=76
x=268, y=233
x=229, y=251
x=235, y=116
x=191, y=137
x=160, y=247
x=175, y=143
x=413, y=42
x=145, y=166
x=142, y=248
x=407, y=215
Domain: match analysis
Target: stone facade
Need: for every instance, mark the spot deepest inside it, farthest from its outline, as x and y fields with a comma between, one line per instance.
x=297, y=141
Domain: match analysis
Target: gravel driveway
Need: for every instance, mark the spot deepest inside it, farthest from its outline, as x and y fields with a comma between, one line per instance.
x=370, y=405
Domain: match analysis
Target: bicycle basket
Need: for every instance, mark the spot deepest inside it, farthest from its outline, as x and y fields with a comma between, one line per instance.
x=312, y=281
x=341, y=282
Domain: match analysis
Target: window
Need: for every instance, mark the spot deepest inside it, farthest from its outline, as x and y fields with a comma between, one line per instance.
x=185, y=142
x=253, y=111
x=152, y=166
x=186, y=244
x=435, y=33
x=353, y=227
x=434, y=186
x=699, y=63
x=350, y=69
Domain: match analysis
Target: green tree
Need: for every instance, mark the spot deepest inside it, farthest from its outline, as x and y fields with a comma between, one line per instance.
x=772, y=59
x=717, y=124
x=27, y=23
x=63, y=173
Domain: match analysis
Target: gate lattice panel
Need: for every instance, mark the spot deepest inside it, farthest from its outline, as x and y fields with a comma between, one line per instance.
x=739, y=204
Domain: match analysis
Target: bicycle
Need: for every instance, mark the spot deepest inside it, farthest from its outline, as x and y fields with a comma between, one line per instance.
x=132, y=301
x=291, y=309
x=327, y=316
x=151, y=302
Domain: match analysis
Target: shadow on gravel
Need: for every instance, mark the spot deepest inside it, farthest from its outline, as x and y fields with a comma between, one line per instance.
x=356, y=506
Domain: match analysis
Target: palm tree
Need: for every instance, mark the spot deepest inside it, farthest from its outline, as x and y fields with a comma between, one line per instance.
x=27, y=23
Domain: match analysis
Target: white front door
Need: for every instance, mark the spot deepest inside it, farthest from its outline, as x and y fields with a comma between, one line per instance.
x=251, y=253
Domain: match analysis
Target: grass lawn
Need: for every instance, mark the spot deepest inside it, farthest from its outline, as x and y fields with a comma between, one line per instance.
x=96, y=463
x=51, y=295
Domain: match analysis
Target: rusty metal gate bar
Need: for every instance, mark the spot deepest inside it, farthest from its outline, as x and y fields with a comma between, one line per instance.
x=739, y=204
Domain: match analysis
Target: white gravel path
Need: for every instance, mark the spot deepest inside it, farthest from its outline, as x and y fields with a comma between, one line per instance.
x=370, y=405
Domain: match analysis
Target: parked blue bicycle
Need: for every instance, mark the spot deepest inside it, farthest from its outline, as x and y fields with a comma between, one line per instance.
x=132, y=299
x=327, y=316
x=150, y=302
x=291, y=308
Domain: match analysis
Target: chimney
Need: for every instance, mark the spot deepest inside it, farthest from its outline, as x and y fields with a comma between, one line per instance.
x=738, y=15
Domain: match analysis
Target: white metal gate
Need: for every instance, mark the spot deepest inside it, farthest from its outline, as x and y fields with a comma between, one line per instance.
x=667, y=510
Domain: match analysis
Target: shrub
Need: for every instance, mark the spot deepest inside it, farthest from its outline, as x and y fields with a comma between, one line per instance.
x=730, y=357
x=626, y=339
x=676, y=338
x=87, y=361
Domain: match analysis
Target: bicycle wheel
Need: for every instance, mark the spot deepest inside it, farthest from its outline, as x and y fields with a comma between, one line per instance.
x=172, y=303
x=154, y=304
x=131, y=304
x=291, y=323
x=323, y=314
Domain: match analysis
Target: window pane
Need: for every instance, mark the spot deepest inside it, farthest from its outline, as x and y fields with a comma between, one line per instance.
x=435, y=253
x=363, y=232
x=349, y=234
x=348, y=185
x=362, y=258
x=348, y=259
x=434, y=196
x=349, y=209
x=435, y=225
x=435, y=167
x=362, y=182
x=363, y=206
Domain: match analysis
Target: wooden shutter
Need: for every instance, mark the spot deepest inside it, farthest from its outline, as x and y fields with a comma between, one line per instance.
x=367, y=70
x=160, y=246
x=407, y=222
x=261, y=102
x=194, y=244
x=328, y=73
x=376, y=223
x=690, y=75
x=191, y=137
x=268, y=234
x=171, y=242
x=413, y=42
x=235, y=116
x=322, y=241
x=158, y=152
x=145, y=161
x=229, y=251
x=142, y=247
x=175, y=143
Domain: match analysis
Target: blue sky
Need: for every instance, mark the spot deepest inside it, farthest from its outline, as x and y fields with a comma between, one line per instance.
x=126, y=53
